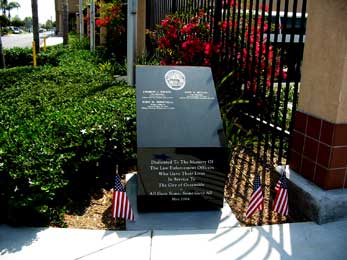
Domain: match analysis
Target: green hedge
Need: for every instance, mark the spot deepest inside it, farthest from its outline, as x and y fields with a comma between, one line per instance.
x=15, y=57
x=62, y=131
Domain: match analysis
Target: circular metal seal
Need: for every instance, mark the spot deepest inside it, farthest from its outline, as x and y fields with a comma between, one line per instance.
x=175, y=79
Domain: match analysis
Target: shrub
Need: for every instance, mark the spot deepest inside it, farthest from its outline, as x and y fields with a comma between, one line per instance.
x=51, y=56
x=182, y=41
x=111, y=15
x=78, y=44
x=185, y=43
x=62, y=130
x=5, y=31
x=16, y=57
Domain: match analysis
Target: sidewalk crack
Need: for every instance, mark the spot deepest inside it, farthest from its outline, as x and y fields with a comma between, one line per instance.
x=150, y=245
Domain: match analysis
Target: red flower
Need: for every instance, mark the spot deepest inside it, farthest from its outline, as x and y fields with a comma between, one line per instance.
x=99, y=22
x=208, y=49
x=165, y=22
x=227, y=3
x=190, y=43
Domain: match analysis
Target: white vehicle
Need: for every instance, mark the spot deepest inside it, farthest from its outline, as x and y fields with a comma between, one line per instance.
x=16, y=30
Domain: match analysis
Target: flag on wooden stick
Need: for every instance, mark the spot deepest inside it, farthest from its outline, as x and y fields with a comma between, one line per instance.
x=256, y=201
x=120, y=205
x=281, y=200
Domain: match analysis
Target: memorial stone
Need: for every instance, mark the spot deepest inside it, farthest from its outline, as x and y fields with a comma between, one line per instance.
x=182, y=161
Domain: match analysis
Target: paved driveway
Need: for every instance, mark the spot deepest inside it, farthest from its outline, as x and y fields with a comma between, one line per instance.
x=25, y=40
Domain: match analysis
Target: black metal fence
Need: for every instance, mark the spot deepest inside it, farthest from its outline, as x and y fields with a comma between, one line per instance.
x=158, y=9
x=262, y=44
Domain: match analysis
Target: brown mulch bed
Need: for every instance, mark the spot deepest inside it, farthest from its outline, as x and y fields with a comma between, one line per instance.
x=97, y=215
x=238, y=190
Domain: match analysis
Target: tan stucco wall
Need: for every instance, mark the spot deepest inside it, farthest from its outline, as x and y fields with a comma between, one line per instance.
x=141, y=28
x=324, y=73
x=73, y=7
x=342, y=114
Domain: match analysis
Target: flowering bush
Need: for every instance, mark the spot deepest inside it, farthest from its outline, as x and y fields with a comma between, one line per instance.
x=111, y=16
x=191, y=43
x=254, y=57
x=181, y=43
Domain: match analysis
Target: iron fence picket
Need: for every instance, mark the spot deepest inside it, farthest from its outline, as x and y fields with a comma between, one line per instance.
x=280, y=81
x=287, y=83
x=273, y=70
x=260, y=88
x=265, y=75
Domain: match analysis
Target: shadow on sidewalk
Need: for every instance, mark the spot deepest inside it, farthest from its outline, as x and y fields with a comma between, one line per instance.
x=13, y=240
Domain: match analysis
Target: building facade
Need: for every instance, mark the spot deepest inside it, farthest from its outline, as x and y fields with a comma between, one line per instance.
x=73, y=10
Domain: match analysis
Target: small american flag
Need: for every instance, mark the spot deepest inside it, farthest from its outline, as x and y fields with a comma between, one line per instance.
x=281, y=200
x=120, y=205
x=256, y=201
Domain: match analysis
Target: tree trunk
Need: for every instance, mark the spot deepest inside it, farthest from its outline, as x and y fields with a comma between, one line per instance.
x=65, y=23
x=81, y=20
x=2, y=56
x=4, y=4
x=34, y=9
x=92, y=25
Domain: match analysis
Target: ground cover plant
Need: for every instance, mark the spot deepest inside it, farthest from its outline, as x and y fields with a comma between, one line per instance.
x=63, y=130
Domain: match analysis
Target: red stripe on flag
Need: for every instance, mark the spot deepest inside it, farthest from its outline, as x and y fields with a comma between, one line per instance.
x=121, y=206
x=256, y=202
x=118, y=204
x=278, y=184
x=115, y=208
x=281, y=202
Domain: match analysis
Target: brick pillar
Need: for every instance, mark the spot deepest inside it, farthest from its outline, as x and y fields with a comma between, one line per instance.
x=319, y=144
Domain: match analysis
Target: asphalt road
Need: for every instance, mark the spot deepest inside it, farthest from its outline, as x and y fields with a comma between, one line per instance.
x=21, y=40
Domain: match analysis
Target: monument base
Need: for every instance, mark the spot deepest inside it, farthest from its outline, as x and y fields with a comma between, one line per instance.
x=190, y=220
x=319, y=205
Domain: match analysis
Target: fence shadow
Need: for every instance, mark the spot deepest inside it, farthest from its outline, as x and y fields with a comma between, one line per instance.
x=245, y=163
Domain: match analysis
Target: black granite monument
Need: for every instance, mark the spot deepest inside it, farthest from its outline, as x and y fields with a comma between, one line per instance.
x=181, y=151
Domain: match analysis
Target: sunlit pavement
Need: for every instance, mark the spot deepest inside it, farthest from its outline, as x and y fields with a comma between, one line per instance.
x=52, y=40
x=25, y=40
x=287, y=241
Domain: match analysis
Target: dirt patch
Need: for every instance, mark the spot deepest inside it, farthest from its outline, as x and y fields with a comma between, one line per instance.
x=97, y=215
x=239, y=188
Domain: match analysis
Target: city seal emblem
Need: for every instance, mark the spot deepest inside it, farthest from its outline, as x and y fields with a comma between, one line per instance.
x=175, y=79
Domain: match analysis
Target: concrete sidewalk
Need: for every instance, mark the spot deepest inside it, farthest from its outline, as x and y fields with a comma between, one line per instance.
x=51, y=41
x=288, y=241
